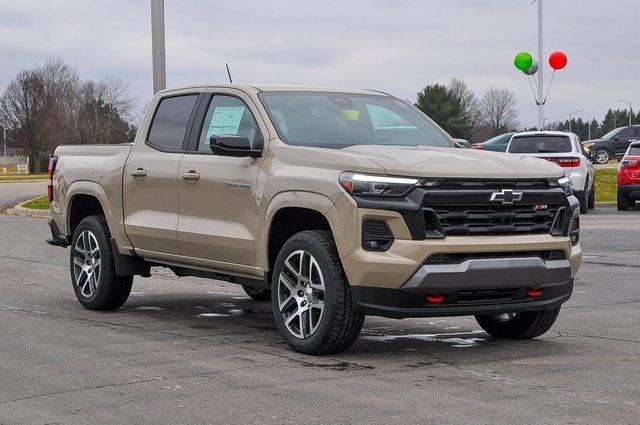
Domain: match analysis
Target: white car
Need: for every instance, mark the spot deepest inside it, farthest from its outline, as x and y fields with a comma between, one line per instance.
x=566, y=150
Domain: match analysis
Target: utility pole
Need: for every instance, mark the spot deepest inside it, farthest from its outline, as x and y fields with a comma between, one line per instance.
x=157, y=46
x=589, y=127
x=630, y=108
x=540, y=69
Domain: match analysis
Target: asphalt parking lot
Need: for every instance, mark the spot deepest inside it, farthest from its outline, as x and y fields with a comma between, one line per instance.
x=189, y=350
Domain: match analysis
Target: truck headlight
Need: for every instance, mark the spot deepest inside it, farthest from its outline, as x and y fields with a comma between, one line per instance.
x=376, y=185
x=566, y=185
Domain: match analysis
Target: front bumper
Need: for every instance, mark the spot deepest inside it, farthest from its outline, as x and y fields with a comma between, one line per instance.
x=475, y=286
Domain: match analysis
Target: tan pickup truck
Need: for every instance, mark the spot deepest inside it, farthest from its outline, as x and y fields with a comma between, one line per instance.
x=333, y=204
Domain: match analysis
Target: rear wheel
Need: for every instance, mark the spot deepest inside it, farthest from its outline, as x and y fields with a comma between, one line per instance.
x=582, y=197
x=525, y=325
x=592, y=198
x=602, y=156
x=257, y=294
x=311, y=298
x=93, y=272
x=623, y=202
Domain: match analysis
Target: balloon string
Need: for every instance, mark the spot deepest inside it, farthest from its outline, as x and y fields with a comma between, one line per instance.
x=549, y=87
x=533, y=90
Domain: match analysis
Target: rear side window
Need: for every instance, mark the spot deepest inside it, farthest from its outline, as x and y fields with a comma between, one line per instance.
x=170, y=122
x=540, y=144
x=634, y=150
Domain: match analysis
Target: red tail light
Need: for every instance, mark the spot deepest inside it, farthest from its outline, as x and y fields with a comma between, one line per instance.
x=479, y=147
x=534, y=293
x=52, y=169
x=565, y=162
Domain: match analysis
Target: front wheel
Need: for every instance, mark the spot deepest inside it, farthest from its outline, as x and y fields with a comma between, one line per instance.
x=525, y=325
x=311, y=298
x=93, y=272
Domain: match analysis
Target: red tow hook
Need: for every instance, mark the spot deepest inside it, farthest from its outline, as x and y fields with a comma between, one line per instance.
x=534, y=292
x=435, y=298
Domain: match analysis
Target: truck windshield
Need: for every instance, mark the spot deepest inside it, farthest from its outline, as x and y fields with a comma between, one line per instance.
x=338, y=120
x=540, y=144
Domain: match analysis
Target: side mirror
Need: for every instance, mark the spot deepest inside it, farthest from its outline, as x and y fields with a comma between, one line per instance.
x=233, y=145
x=461, y=143
x=616, y=138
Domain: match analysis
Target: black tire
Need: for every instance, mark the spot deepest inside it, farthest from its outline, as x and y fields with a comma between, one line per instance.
x=623, y=202
x=257, y=294
x=584, y=203
x=602, y=156
x=111, y=291
x=592, y=198
x=525, y=325
x=341, y=322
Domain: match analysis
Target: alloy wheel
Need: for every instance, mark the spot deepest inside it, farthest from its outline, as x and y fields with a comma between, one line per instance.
x=87, y=263
x=602, y=156
x=301, y=294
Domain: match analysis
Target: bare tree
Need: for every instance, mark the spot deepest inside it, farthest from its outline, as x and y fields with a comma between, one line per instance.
x=471, y=108
x=499, y=110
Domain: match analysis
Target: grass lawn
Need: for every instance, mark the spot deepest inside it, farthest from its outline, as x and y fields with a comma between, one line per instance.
x=41, y=203
x=606, y=184
x=17, y=178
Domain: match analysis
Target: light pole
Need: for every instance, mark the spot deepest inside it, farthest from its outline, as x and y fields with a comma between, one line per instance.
x=4, y=138
x=157, y=46
x=630, y=108
x=540, y=69
x=571, y=114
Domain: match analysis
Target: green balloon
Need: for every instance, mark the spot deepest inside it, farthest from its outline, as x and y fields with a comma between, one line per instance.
x=523, y=61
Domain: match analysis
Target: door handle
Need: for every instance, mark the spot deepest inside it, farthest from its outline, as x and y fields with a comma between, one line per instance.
x=190, y=175
x=138, y=172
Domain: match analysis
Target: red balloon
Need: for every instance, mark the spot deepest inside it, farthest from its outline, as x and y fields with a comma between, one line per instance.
x=558, y=60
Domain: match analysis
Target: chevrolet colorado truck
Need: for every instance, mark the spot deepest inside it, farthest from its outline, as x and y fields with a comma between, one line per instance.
x=333, y=204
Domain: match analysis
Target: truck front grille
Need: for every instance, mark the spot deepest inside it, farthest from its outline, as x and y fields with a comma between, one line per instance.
x=466, y=220
x=481, y=208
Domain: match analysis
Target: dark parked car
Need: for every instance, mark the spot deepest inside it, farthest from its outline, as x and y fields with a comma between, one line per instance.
x=496, y=144
x=629, y=178
x=613, y=144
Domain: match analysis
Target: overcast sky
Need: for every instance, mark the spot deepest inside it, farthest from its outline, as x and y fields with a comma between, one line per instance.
x=397, y=46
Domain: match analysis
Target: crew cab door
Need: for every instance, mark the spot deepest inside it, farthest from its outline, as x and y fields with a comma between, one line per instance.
x=151, y=176
x=217, y=196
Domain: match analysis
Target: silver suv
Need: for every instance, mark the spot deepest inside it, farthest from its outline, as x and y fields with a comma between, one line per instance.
x=566, y=150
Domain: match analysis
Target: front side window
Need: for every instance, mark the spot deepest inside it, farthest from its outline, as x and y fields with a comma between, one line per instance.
x=540, y=144
x=339, y=120
x=228, y=115
x=170, y=122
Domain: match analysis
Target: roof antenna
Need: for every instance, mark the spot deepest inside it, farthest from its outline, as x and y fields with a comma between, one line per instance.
x=228, y=73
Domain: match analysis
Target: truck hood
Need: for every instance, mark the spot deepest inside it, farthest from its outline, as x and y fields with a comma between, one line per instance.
x=428, y=161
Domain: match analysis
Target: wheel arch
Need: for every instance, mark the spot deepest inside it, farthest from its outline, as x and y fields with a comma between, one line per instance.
x=292, y=212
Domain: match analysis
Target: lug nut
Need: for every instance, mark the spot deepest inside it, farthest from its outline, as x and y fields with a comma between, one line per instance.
x=303, y=303
x=300, y=293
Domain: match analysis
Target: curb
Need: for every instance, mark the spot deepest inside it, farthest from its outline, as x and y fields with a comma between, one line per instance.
x=19, y=210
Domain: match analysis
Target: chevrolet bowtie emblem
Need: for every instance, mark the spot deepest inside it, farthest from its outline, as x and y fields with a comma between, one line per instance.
x=506, y=196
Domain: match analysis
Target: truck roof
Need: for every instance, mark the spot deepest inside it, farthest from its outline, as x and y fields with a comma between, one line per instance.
x=256, y=88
